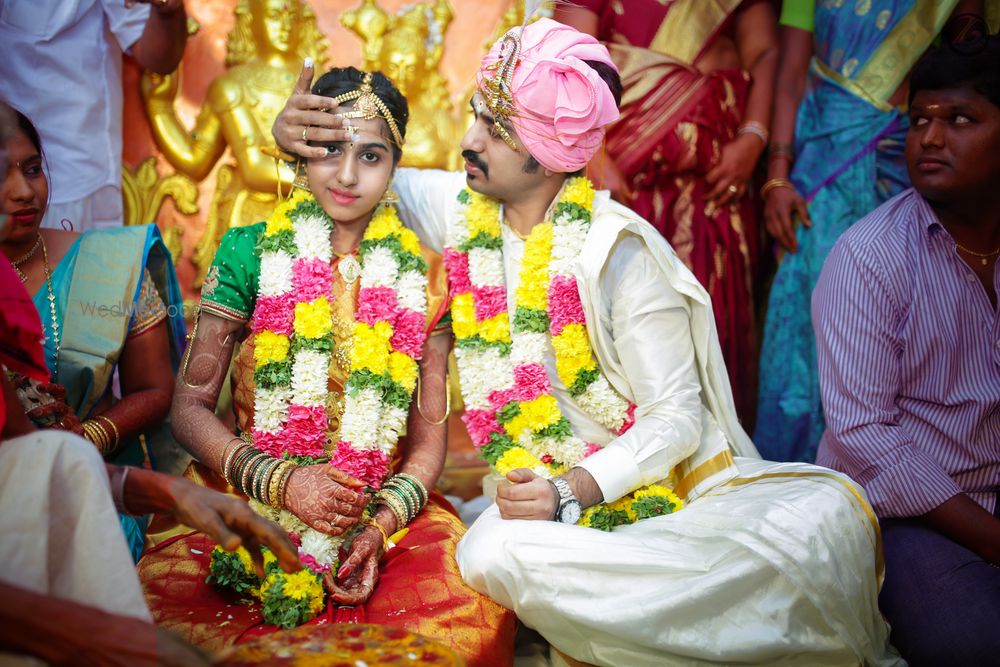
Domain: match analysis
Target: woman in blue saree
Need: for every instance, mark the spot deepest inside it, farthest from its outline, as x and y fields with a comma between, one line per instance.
x=110, y=306
x=831, y=163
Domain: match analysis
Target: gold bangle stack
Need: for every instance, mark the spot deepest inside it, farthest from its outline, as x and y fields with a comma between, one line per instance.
x=257, y=475
x=114, y=429
x=773, y=184
x=95, y=432
x=405, y=495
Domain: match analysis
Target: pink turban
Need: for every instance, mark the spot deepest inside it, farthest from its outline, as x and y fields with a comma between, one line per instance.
x=561, y=104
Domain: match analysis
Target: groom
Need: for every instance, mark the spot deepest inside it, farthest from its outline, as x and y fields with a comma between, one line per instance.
x=593, y=379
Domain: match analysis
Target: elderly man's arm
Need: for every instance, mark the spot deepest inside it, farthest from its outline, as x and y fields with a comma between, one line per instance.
x=161, y=45
x=855, y=314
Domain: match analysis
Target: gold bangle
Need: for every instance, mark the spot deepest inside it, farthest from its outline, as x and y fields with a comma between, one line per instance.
x=227, y=456
x=415, y=480
x=283, y=483
x=114, y=428
x=395, y=505
x=99, y=436
x=447, y=402
x=773, y=184
x=385, y=535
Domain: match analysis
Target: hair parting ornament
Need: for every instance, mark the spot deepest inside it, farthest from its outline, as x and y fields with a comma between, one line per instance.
x=368, y=106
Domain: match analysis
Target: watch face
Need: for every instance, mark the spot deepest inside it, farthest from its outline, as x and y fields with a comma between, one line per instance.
x=569, y=512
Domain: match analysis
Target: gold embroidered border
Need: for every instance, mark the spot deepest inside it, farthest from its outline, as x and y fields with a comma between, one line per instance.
x=688, y=26
x=224, y=312
x=713, y=466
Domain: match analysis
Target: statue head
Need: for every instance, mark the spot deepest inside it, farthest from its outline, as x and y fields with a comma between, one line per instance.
x=404, y=58
x=274, y=27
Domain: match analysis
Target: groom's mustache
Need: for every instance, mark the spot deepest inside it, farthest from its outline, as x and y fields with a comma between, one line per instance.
x=476, y=161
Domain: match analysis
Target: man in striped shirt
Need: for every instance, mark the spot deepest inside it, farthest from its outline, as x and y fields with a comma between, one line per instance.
x=908, y=335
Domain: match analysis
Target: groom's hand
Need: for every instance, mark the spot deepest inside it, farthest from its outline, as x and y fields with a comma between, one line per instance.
x=528, y=496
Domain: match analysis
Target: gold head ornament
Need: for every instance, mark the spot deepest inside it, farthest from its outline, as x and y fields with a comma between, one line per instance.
x=368, y=106
x=497, y=84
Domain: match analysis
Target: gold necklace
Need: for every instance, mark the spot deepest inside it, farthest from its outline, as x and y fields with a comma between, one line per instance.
x=52, y=307
x=25, y=257
x=983, y=256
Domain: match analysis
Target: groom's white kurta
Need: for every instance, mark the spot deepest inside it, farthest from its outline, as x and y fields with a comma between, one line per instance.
x=768, y=563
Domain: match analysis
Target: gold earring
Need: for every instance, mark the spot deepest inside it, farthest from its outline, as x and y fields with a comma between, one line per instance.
x=389, y=196
x=301, y=179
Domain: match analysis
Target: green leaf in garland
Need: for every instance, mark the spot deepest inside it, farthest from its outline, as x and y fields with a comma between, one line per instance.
x=571, y=211
x=650, y=506
x=482, y=240
x=477, y=342
x=531, y=320
x=273, y=374
x=508, y=412
x=464, y=197
x=283, y=240
x=310, y=208
x=226, y=570
x=560, y=430
x=586, y=377
x=322, y=344
x=605, y=518
x=495, y=448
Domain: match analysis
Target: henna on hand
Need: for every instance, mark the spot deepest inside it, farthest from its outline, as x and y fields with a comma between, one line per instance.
x=322, y=503
x=355, y=582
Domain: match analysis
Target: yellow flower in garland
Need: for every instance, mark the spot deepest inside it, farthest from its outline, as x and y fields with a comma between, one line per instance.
x=268, y=347
x=579, y=191
x=483, y=215
x=624, y=504
x=409, y=241
x=516, y=457
x=280, y=219
x=403, y=370
x=313, y=319
x=658, y=491
x=573, y=354
x=496, y=328
x=302, y=585
x=463, y=316
x=382, y=224
x=245, y=560
x=532, y=290
x=370, y=349
x=534, y=416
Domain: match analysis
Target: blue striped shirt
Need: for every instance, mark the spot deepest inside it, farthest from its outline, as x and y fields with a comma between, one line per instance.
x=908, y=345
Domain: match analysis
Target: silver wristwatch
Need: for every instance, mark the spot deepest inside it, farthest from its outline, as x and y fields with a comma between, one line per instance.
x=568, y=510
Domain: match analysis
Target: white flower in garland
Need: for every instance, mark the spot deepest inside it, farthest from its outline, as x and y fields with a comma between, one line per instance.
x=275, y=273
x=486, y=267
x=312, y=238
x=310, y=373
x=271, y=408
x=361, y=417
x=380, y=269
x=412, y=293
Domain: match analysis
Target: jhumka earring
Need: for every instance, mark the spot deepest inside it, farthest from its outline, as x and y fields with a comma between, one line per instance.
x=301, y=179
x=389, y=196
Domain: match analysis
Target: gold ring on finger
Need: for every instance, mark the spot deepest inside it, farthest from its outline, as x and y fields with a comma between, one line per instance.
x=733, y=189
x=304, y=130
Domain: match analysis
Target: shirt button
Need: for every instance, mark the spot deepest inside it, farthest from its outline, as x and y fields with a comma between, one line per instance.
x=971, y=278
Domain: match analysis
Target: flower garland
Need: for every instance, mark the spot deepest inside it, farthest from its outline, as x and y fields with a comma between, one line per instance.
x=511, y=413
x=294, y=349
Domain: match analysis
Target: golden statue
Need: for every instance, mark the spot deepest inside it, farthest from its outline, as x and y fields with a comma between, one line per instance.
x=143, y=194
x=264, y=54
x=407, y=48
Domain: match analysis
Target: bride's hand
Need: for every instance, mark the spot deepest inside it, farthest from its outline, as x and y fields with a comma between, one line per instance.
x=304, y=119
x=325, y=498
x=356, y=579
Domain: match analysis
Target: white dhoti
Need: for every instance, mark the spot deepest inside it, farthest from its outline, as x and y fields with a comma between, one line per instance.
x=779, y=566
x=61, y=533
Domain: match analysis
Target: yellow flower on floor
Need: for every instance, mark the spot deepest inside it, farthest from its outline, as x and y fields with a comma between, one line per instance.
x=302, y=585
x=268, y=347
x=534, y=416
x=656, y=490
x=517, y=457
x=403, y=369
x=313, y=319
x=624, y=504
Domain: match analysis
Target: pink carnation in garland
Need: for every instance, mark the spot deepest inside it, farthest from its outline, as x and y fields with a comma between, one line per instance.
x=274, y=313
x=376, y=304
x=480, y=423
x=457, y=264
x=370, y=466
x=312, y=564
x=311, y=279
x=592, y=448
x=269, y=443
x=305, y=430
x=532, y=381
x=490, y=301
x=564, y=304
x=502, y=397
x=629, y=420
x=409, y=335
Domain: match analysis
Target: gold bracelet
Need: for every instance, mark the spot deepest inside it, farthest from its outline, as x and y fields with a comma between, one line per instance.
x=415, y=480
x=773, y=184
x=272, y=484
x=447, y=402
x=395, y=505
x=114, y=428
x=385, y=535
x=228, y=454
